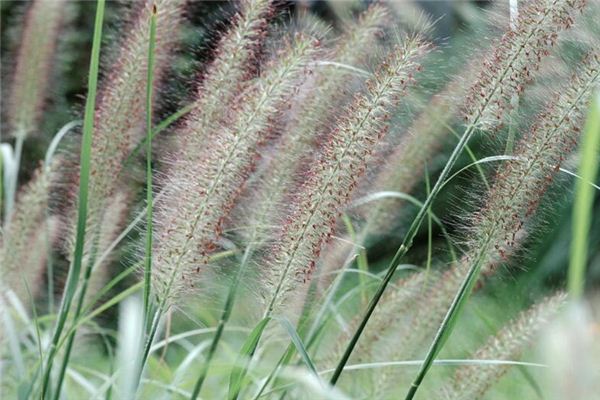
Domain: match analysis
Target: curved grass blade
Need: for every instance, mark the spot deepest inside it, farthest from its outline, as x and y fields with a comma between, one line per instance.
x=246, y=353
x=584, y=199
x=86, y=149
x=297, y=343
x=222, y=321
x=149, y=200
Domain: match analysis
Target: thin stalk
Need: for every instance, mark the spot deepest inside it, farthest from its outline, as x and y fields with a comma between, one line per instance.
x=444, y=330
x=149, y=339
x=149, y=200
x=86, y=149
x=164, y=124
x=13, y=182
x=404, y=247
x=229, y=302
x=429, y=227
x=584, y=200
x=71, y=335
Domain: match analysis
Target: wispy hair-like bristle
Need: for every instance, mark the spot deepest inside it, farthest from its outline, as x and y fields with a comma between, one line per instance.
x=120, y=110
x=201, y=188
x=497, y=231
x=27, y=237
x=516, y=58
x=328, y=88
x=335, y=173
x=32, y=76
x=473, y=381
x=229, y=72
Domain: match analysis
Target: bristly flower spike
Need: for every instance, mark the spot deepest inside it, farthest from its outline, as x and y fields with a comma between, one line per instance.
x=520, y=183
x=473, y=381
x=120, y=112
x=200, y=190
x=228, y=73
x=516, y=57
x=27, y=237
x=119, y=118
x=536, y=31
x=314, y=113
x=497, y=231
x=32, y=70
x=333, y=177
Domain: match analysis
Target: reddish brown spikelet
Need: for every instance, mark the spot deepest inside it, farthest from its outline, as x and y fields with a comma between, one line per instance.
x=516, y=57
x=201, y=188
x=335, y=174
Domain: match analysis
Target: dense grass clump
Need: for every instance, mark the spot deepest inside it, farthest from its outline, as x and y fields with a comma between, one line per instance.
x=289, y=200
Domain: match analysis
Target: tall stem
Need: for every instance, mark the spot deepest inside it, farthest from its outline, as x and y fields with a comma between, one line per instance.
x=86, y=150
x=403, y=249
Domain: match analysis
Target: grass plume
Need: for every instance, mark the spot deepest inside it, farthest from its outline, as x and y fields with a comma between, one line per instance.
x=472, y=381
x=199, y=195
x=37, y=53
x=334, y=175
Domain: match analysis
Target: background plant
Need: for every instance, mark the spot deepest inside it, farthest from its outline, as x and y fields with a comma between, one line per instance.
x=298, y=200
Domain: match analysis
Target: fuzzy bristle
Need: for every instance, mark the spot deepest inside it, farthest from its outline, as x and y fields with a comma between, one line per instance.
x=120, y=111
x=405, y=166
x=498, y=229
x=334, y=175
x=472, y=381
x=228, y=73
x=119, y=119
x=328, y=89
x=516, y=58
x=33, y=67
x=28, y=237
x=201, y=187
x=520, y=183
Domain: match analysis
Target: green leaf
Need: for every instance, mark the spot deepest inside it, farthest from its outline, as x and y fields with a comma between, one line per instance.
x=238, y=373
x=297, y=343
x=584, y=199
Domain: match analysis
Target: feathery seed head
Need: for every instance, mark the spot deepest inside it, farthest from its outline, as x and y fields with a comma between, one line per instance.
x=32, y=70
x=119, y=118
x=229, y=72
x=314, y=112
x=472, y=381
x=499, y=227
x=120, y=110
x=27, y=236
x=201, y=188
x=335, y=174
x=405, y=166
x=516, y=57
x=520, y=183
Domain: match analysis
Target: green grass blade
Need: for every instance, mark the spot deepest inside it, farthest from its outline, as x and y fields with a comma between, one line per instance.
x=448, y=323
x=403, y=249
x=239, y=373
x=229, y=302
x=361, y=260
x=86, y=149
x=298, y=343
x=149, y=200
x=164, y=124
x=584, y=198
